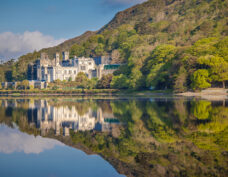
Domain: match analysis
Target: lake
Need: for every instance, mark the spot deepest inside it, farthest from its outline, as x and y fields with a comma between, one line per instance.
x=112, y=136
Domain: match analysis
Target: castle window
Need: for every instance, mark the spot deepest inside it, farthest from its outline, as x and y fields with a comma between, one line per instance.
x=70, y=71
x=65, y=71
x=89, y=63
x=83, y=68
x=74, y=71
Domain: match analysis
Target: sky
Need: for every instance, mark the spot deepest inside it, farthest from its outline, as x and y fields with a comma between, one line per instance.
x=12, y=140
x=28, y=25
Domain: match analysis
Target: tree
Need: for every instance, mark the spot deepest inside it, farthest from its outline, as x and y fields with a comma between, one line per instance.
x=92, y=83
x=81, y=80
x=105, y=81
x=223, y=74
x=151, y=77
x=204, y=47
x=222, y=48
x=119, y=82
x=218, y=67
x=161, y=54
x=200, y=79
x=99, y=50
x=135, y=78
x=23, y=85
x=31, y=87
x=180, y=80
x=77, y=50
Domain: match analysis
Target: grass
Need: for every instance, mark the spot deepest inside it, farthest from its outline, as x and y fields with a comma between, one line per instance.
x=62, y=92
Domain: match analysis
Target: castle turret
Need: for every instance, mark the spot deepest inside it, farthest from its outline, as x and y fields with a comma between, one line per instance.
x=65, y=55
x=57, y=59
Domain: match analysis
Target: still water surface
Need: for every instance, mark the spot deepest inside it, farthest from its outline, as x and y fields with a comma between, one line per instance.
x=113, y=137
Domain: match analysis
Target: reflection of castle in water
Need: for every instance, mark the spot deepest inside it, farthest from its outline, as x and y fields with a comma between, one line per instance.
x=46, y=117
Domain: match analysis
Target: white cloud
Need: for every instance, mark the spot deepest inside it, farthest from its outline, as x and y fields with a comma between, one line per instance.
x=14, y=45
x=12, y=140
x=122, y=2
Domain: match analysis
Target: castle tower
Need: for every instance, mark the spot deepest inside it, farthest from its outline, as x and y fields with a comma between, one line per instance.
x=57, y=57
x=65, y=55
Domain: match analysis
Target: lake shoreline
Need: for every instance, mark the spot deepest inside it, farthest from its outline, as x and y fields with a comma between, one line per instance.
x=212, y=94
x=207, y=93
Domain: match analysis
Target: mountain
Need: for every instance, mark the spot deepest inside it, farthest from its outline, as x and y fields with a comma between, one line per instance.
x=66, y=45
x=138, y=36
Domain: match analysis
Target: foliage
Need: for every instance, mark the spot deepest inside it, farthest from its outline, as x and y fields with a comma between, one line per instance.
x=92, y=83
x=23, y=85
x=218, y=67
x=119, y=82
x=161, y=44
x=77, y=50
x=31, y=87
x=201, y=109
x=180, y=83
x=81, y=80
x=105, y=81
x=200, y=79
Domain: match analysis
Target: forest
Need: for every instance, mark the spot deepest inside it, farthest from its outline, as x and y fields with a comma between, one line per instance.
x=176, y=45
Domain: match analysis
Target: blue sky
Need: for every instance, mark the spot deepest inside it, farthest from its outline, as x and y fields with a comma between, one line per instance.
x=28, y=25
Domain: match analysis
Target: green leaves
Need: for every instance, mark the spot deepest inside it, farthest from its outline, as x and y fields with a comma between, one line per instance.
x=204, y=47
x=218, y=67
x=119, y=82
x=77, y=50
x=200, y=79
x=99, y=50
x=82, y=80
x=158, y=64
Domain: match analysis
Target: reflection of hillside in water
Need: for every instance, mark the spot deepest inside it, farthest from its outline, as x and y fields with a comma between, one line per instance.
x=160, y=136
x=45, y=116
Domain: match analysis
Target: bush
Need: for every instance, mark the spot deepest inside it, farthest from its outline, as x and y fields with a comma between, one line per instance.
x=200, y=79
x=31, y=87
x=119, y=82
x=105, y=81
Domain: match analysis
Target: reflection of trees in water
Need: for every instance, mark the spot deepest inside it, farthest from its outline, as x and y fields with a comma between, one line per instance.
x=201, y=109
x=176, y=120
x=172, y=136
x=105, y=106
x=174, y=125
x=19, y=116
x=211, y=126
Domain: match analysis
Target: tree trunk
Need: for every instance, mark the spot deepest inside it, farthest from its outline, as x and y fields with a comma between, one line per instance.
x=223, y=84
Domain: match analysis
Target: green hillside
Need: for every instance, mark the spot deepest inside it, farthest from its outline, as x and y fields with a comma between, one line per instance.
x=164, y=44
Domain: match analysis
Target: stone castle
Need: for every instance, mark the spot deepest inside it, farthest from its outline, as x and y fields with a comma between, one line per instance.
x=47, y=70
